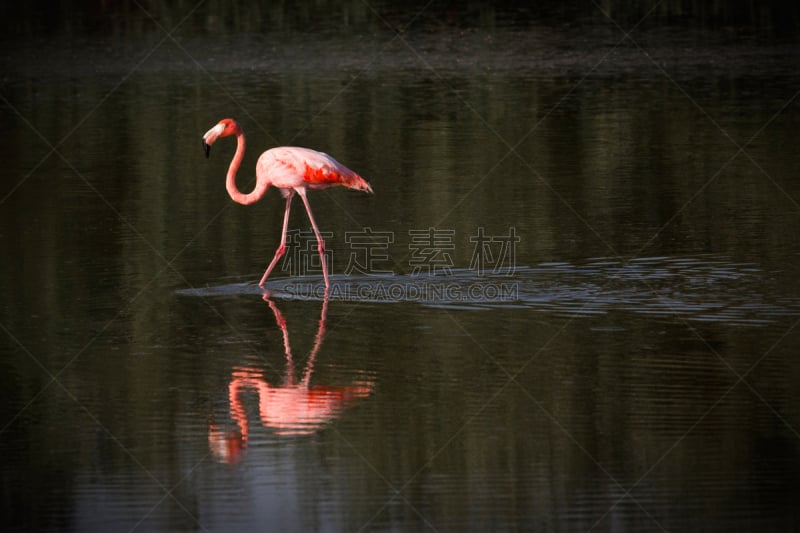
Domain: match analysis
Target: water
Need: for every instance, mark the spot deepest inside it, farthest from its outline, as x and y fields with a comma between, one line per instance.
x=571, y=304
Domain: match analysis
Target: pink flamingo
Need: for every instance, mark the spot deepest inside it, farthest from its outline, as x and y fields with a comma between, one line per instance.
x=295, y=407
x=292, y=170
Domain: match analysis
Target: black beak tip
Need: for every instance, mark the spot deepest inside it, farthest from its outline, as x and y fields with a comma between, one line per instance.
x=207, y=148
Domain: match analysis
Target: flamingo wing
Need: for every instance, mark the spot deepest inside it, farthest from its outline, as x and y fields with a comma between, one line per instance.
x=293, y=166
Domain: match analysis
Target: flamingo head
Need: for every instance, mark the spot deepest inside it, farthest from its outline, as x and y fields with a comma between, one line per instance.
x=224, y=127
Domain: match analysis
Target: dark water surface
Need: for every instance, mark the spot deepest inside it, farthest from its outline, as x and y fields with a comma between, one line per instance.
x=571, y=304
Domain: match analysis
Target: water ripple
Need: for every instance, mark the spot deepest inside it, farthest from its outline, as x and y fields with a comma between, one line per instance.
x=700, y=289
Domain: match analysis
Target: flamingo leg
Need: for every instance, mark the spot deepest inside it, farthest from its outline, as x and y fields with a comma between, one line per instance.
x=317, y=342
x=287, y=348
x=282, y=248
x=320, y=242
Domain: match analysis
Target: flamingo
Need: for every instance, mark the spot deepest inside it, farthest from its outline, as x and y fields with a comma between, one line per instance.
x=292, y=170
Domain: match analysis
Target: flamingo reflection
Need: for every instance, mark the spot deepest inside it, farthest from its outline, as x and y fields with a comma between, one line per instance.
x=293, y=408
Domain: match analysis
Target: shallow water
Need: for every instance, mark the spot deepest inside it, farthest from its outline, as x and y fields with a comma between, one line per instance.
x=705, y=289
x=571, y=304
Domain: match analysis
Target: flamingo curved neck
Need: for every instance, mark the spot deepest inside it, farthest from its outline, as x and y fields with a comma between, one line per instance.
x=230, y=181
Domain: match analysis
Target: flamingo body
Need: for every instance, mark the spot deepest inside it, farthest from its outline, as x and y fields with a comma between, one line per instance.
x=291, y=169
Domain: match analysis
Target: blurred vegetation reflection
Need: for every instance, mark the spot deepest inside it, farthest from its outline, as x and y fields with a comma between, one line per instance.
x=131, y=18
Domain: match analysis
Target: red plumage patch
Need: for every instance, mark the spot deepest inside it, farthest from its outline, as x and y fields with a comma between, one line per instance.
x=320, y=175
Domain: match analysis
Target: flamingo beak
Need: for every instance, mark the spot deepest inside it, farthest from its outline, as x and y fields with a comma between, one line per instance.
x=211, y=136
